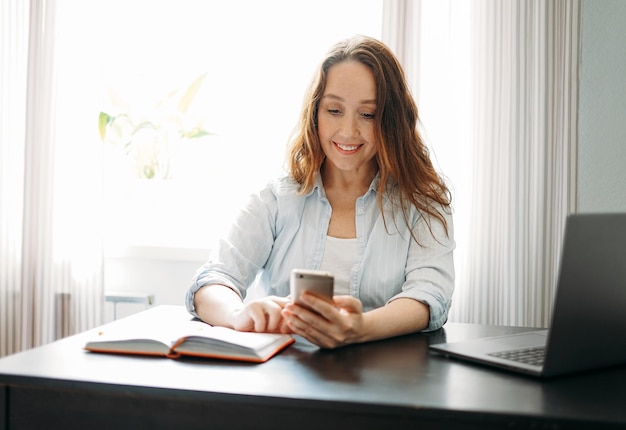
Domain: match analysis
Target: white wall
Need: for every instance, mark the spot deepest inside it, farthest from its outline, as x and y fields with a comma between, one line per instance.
x=165, y=273
x=602, y=108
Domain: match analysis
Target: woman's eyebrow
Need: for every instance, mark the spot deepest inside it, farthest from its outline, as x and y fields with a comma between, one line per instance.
x=341, y=99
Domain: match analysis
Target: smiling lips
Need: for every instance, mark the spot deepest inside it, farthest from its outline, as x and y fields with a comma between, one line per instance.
x=347, y=149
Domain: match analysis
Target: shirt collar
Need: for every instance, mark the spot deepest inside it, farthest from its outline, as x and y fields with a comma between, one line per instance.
x=319, y=186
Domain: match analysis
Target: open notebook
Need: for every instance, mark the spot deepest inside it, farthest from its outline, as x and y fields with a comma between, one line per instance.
x=588, y=322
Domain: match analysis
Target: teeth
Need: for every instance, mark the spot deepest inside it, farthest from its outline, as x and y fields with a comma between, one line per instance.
x=347, y=147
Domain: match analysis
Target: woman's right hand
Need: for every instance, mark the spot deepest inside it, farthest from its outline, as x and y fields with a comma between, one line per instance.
x=260, y=315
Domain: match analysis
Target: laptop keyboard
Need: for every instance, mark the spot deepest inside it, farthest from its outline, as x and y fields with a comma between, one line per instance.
x=532, y=356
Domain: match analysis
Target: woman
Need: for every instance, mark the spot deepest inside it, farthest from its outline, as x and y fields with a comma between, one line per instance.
x=361, y=200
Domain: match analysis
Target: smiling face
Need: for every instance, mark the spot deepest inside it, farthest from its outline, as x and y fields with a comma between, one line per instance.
x=346, y=119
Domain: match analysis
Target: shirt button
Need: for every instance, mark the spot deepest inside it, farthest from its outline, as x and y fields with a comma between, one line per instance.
x=361, y=239
x=360, y=211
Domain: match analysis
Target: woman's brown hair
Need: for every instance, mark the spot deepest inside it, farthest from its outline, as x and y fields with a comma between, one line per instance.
x=403, y=160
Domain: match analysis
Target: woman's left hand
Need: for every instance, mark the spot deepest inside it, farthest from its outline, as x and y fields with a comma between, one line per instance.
x=327, y=325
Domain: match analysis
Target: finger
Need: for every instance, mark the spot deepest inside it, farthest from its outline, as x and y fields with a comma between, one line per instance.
x=312, y=334
x=309, y=325
x=273, y=316
x=284, y=327
x=349, y=303
x=319, y=305
x=257, y=314
x=281, y=301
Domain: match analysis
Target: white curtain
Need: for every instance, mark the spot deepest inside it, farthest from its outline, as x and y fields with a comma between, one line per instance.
x=14, y=39
x=402, y=33
x=51, y=253
x=511, y=68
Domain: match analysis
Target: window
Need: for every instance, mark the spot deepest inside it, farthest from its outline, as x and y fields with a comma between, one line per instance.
x=251, y=61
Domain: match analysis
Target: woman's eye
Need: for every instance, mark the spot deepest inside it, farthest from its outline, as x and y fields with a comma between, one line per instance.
x=367, y=115
x=334, y=111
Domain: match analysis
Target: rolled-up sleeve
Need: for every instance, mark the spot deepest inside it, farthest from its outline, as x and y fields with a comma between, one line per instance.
x=429, y=272
x=237, y=257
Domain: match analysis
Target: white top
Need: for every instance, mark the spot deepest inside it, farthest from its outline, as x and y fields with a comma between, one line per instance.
x=339, y=257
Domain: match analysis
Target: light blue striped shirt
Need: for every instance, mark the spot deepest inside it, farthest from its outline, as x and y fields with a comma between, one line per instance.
x=279, y=230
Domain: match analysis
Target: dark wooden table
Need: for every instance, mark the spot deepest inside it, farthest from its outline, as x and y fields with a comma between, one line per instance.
x=379, y=385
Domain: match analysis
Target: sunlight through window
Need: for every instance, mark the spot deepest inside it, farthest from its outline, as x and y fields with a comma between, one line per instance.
x=199, y=101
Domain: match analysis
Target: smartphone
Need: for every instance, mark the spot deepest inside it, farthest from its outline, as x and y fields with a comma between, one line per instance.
x=316, y=282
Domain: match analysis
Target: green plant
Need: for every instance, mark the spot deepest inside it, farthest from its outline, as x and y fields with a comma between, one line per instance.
x=146, y=137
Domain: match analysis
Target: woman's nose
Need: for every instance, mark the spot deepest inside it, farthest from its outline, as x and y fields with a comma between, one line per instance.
x=349, y=126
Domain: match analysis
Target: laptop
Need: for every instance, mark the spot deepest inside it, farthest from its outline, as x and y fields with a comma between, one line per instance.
x=588, y=325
